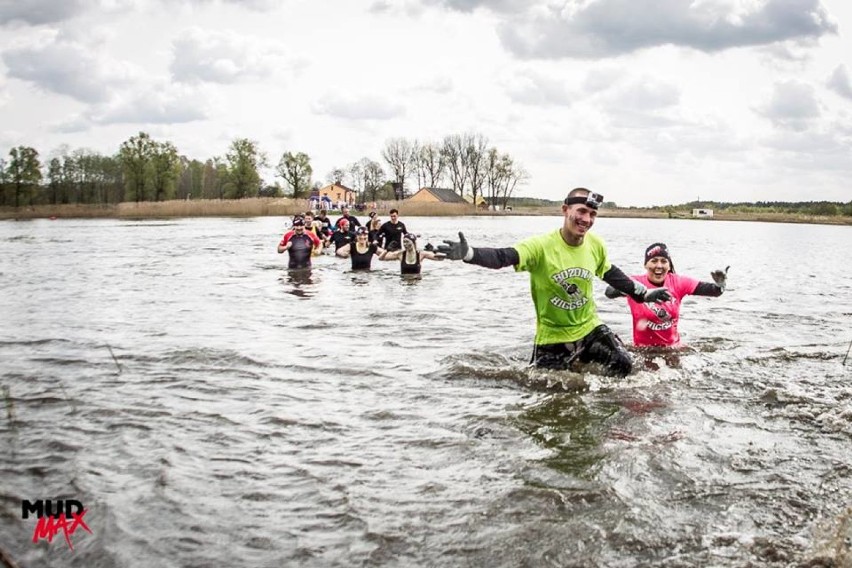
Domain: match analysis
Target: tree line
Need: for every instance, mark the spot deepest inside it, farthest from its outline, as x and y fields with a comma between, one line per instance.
x=817, y=208
x=145, y=169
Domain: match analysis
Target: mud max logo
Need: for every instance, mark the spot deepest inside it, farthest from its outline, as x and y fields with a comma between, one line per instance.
x=55, y=516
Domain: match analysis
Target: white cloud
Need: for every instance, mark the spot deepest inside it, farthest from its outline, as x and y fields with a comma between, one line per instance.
x=839, y=82
x=645, y=94
x=69, y=68
x=224, y=57
x=793, y=105
x=538, y=89
x=358, y=107
x=40, y=11
x=159, y=104
x=606, y=28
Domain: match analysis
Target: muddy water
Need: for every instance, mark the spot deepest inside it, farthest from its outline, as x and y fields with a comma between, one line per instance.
x=210, y=408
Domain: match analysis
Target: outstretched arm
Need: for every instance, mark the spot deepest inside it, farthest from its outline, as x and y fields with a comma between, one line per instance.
x=612, y=293
x=621, y=282
x=487, y=257
x=429, y=255
x=715, y=288
x=344, y=251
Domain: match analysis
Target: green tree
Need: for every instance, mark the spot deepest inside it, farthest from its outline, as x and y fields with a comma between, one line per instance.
x=4, y=181
x=57, y=181
x=135, y=155
x=24, y=172
x=244, y=158
x=190, y=181
x=164, y=167
x=296, y=170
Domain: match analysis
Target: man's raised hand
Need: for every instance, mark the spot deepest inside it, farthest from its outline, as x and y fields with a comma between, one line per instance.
x=456, y=250
x=657, y=296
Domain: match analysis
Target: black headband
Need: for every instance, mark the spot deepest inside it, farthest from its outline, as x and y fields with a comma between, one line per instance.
x=661, y=250
x=592, y=200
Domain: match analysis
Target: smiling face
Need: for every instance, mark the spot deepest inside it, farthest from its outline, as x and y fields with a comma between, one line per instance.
x=657, y=268
x=579, y=218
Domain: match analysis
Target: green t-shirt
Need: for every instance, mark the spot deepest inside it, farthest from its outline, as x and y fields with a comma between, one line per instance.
x=561, y=284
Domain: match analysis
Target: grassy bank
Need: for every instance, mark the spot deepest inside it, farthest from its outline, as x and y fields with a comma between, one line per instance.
x=284, y=207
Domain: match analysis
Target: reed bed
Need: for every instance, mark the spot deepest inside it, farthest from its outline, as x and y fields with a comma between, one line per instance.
x=285, y=207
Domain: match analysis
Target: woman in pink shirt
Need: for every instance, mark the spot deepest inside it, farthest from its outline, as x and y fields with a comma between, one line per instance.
x=656, y=324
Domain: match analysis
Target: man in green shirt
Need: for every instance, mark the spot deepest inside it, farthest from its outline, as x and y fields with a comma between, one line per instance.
x=562, y=264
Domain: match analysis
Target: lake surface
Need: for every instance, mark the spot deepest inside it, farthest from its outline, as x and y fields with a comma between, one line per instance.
x=211, y=409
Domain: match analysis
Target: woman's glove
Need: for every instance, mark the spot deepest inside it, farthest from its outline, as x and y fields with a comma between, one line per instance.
x=720, y=277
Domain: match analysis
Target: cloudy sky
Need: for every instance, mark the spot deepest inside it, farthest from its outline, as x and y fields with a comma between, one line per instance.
x=646, y=101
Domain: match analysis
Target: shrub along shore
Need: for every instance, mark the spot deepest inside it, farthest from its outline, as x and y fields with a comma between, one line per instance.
x=260, y=207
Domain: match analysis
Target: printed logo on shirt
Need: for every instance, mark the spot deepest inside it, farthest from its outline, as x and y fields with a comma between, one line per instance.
x=576, y=299
x=661, y=313
x=659, y=326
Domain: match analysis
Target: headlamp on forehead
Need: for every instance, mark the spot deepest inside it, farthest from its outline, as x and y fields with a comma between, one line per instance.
x=592, y=200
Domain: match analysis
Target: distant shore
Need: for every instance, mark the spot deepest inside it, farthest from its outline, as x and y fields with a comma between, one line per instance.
x=261, y=207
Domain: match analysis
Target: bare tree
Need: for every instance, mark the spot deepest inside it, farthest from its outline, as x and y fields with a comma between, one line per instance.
x=374, y=178
x=399, y=155
x=494, y=174
x=475, y=156
x=337, y=175
x=453, y=154
x=430, y=165
x=356, y=174
x=516, y=176
x=502, y=177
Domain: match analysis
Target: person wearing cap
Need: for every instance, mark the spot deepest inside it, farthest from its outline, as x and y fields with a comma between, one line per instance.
x=342, y=235
x=562, y=265
x=300, y=244
x=656, y=325
x=391, y=232
x=410, y=259
x=361, y=251
x=353, y=221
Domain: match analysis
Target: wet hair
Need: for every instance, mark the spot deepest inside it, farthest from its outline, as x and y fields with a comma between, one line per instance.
x=392, y=211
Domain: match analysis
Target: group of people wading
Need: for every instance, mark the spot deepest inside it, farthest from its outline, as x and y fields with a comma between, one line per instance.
x=561, y=264
x=308, y=236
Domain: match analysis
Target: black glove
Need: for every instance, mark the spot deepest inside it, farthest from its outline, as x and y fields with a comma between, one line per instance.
x=720, y=277
x=456, y=250
x=612, y=293
x=657, y=296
